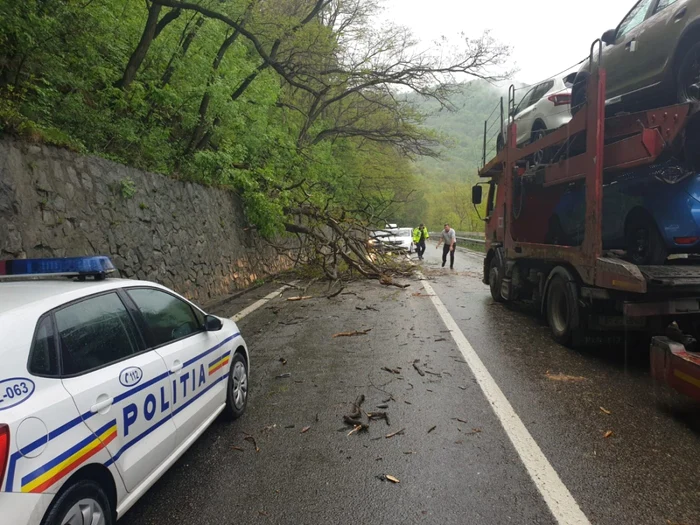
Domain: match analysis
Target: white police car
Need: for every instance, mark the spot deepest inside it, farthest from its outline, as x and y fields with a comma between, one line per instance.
x=104, y=384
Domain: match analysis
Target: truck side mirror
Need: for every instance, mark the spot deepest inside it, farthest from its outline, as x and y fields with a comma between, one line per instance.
x=477, y=194
x=608, y=37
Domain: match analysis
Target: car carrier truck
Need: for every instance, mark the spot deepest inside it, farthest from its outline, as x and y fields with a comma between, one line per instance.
x=584, y=291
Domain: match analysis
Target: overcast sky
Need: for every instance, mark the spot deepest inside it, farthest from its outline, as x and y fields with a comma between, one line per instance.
x=546, y=36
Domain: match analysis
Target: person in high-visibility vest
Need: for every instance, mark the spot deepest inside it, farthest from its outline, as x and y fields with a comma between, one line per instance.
x=420, y=235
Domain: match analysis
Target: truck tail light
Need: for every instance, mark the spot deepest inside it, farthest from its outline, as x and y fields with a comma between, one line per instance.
x=560, y=99
x=4, y=450
x=685, y=240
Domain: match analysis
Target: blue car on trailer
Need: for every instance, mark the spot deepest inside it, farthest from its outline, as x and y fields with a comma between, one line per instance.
x=650, y=213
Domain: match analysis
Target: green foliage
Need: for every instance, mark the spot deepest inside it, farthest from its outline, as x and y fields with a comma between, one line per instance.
x=62, y=70
x=127, y=188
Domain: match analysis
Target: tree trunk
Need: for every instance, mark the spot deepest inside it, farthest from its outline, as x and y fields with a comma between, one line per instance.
x=182, y=51
x=200, y=137
x=150, y=33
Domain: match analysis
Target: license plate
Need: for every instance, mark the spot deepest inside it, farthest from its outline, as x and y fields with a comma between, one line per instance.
x=618, y=321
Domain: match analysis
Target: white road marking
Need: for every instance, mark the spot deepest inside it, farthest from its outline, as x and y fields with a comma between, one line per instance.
x=557, y=497
x=257, y=304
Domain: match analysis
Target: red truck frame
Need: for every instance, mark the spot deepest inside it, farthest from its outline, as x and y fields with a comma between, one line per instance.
x=583, y=291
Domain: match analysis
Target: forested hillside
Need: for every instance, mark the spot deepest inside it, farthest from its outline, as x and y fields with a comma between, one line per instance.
x=297, y=105
x=446, y=181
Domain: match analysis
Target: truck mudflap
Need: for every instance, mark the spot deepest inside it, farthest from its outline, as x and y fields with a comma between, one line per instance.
x=672, y=364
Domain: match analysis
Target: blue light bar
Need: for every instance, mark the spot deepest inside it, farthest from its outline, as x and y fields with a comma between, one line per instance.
x=96, y=266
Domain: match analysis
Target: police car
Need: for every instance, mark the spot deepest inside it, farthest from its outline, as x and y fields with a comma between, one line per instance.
x=104, y=383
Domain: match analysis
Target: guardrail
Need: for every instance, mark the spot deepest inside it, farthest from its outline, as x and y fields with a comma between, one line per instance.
x=470, y=240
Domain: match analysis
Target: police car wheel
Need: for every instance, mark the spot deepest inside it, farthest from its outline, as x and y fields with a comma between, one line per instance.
x=237, y=395
x=83, y=503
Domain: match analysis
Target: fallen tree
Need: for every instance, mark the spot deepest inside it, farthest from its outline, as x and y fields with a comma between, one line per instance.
x=300, y=106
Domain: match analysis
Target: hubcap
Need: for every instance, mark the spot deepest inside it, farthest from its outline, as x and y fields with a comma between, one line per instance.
x=560, y=311
x=239, y=389
x=85, y=512
x=641, y=242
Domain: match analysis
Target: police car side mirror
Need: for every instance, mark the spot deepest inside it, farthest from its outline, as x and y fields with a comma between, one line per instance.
x=212, y=324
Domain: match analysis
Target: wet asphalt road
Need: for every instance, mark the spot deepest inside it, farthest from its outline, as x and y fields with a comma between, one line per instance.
x=465, y=470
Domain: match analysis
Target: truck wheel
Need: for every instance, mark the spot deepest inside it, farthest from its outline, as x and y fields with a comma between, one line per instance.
x=561, y=310
x=83, y=502
x=495, y=280
x=643, y=241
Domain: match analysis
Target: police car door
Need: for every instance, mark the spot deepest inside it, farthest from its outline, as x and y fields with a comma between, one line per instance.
x=119, y=386
x=176, y=329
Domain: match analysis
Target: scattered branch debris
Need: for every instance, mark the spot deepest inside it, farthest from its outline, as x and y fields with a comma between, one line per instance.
x=608, y=434
x=440, y=339
x=397, y=433
x=460, y=420
x=474, y=431
x=418, y=368
x=289, y=285
x=305, y=430
x=353, y=421
x=336, y=293
x=387, y=280
x=283, y=361
x=605, y=411
x=383, y=405
x=296, y=320
x=283, y=376
x=392, y=478
x=354, y=418
x=357, y=428
x=353, y=333
x=391, y=370
x=432, y=373
x=239, y=449
x=564, y=378
x=379, y=415
x=356, y=407
x=372, y=308
x=432, y=428
x=252, y=440
x=300, y=298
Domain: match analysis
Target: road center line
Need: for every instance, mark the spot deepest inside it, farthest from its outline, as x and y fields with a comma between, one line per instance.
x=557, y=497
x=257, y=304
